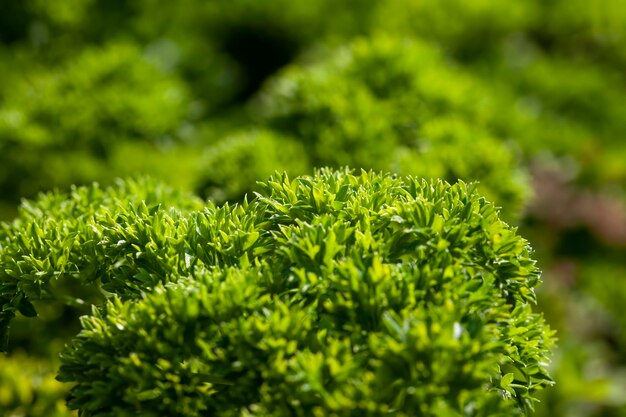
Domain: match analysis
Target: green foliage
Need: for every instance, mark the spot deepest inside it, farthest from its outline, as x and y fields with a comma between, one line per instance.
x=603, y=280
x=337, y=294
x=246, y=40
x=82, y=98
x=594, y=31
x=111, y=92
x=396, y=105
x=588, y=363
x=28, y=388
x=223, y=49
x=469, y=29
x=61, y=127
x=576, y=113
x=231, y=166
x=60, y=238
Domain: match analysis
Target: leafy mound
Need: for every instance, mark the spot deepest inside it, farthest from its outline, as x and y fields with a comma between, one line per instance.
x=337, y=294
x=64, y=126
x=397, y=105
x=61, y=240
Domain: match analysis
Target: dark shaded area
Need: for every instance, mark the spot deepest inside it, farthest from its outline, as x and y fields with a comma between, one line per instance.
x=14, y=20
x=260, y=50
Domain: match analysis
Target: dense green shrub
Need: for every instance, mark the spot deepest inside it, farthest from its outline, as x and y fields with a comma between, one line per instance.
x=61, y=127
x=552, y=73
x=325, y=295
x=223, y=49
x=61, y=225
x=395, y=105
x=58, y=241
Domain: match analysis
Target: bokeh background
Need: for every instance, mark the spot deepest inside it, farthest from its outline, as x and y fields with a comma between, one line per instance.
x=526, y=96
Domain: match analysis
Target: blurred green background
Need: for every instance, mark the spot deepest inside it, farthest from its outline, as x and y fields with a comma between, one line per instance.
x=526, y=96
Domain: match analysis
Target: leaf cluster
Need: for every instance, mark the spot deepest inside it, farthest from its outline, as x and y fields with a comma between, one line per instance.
x=396, y=105
x=337, y=294
x=63, y=125
x=62, y=238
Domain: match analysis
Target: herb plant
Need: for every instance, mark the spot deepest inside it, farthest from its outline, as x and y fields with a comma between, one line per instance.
x=336, y=294
x=392, y=104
